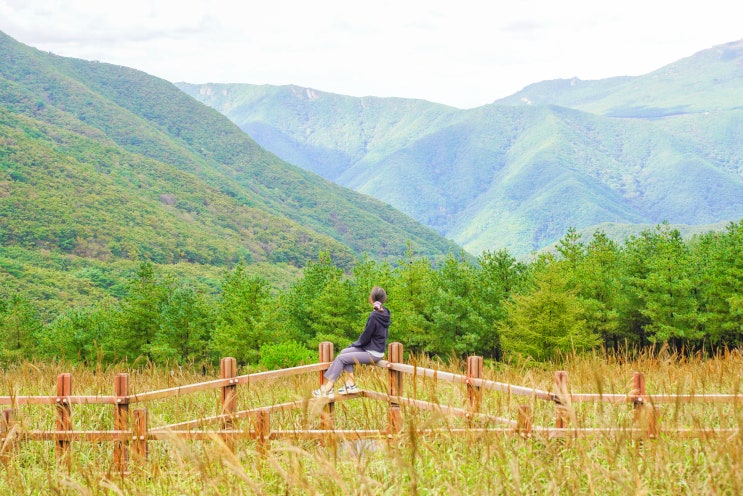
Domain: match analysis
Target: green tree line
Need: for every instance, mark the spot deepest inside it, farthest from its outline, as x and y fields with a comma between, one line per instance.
x=655, y=288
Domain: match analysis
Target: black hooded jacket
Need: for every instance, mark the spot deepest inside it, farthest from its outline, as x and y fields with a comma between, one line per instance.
x=374, y=337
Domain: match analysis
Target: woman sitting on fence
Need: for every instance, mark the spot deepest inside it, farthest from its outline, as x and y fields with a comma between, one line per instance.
x=367, y=349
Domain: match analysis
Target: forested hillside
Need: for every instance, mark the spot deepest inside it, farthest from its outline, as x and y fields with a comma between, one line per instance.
x=518, y=173
x=102, y=167
x=654, y=290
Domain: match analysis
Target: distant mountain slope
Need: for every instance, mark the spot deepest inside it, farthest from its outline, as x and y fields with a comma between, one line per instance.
x=708, y=81
x=516, y=175
x=319, y=131
x=108, y=162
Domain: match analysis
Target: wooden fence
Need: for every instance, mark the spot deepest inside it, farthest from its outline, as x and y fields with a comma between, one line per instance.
x=131, y=433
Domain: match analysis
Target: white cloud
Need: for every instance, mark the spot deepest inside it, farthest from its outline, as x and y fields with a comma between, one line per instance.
x=464, y=54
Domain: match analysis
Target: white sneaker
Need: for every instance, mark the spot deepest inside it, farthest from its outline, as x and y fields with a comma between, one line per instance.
x=348, y=389
x=319, y=393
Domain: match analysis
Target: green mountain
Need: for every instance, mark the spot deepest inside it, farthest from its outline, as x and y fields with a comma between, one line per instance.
x=518, y=173
x=708, y=81
x=106, y=163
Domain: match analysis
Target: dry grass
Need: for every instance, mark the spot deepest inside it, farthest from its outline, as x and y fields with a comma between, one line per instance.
x=447, y=461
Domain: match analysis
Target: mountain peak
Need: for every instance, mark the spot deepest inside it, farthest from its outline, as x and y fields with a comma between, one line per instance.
x=305, y=93
x=709, y=80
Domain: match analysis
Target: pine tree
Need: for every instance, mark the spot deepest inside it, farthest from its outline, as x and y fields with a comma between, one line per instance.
x=139, y=319
x=663, y=288
x=718, y=261
x=19, y=327
x=598, y=279
x=79, y=334
x=547, y=319
x=185, y=327
x=414, y=288
x=242, y=320
x=459, y=321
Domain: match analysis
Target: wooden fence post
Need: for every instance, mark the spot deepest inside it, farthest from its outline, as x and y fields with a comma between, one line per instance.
x=474, y=393
x=139, y=435
x=64, y=418
x=394, y=388
x=262, y=426
x=645, y=413
x=562, y=399
x=121, y=421
x=326, y=356
x=6, y=431
x=228, y=405
x=524, y=422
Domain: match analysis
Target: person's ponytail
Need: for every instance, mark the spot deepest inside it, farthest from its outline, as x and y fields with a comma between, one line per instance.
x=378, y=297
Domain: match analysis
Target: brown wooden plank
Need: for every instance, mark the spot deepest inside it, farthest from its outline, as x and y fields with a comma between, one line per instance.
x=64, y=419
x=326, y=355
x=394, y=388
x=436, y=407
x=462, y=379
x=562, y=399
x=219, y=383
x=107, y=436
x=193, y=424
x=121, y=422
x=77, y=435
x=201, y=435
x=320, y=434
x=140, y=435
x=474, y=390
x=51, y=400
x=228, y=400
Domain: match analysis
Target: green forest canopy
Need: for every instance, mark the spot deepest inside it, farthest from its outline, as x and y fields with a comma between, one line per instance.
x=654, y=288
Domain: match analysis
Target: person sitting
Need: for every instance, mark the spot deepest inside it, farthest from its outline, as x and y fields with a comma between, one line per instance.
x=367, y=349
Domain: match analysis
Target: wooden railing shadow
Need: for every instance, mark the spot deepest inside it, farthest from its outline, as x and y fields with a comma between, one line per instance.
x=131, y=433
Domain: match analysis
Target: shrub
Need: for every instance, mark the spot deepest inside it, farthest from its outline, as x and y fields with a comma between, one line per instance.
x=285, y=355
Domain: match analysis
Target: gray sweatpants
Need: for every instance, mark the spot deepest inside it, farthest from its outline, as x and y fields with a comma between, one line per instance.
x=346, y=359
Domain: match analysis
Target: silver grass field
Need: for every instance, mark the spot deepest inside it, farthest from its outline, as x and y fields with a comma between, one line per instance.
x=434, y=454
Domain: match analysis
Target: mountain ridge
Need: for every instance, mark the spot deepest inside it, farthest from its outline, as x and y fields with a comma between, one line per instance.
x=721, y=66
x=515, y=175
x=105, y=163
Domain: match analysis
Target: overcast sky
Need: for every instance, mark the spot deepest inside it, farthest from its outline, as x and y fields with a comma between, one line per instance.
x=465, y=53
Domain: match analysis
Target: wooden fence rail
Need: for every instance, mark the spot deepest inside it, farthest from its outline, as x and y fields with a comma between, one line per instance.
x=131, y=433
